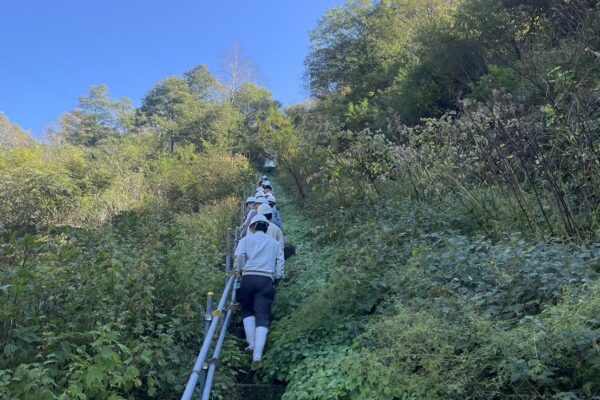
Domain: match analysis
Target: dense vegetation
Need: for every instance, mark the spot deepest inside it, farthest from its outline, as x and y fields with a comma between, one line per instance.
x=443, y=193
x=449, y=170
x=112, y=235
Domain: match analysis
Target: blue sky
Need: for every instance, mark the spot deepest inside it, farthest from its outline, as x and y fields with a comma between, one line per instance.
x=53, y=50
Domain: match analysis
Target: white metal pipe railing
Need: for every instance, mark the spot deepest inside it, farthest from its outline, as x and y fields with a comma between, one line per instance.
x=193, y=380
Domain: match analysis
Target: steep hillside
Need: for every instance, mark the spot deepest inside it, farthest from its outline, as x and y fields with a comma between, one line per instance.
x=399, y=301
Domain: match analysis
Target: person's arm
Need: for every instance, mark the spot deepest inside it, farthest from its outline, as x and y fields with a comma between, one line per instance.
x=240, y=256
x=244, y=230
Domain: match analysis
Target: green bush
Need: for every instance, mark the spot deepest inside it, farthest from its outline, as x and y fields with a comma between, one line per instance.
x=110, y=312
x=397, y=304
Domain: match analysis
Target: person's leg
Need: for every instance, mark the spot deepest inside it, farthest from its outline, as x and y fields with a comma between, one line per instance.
x=245, y=295
x=263, y=300
x=249, y=328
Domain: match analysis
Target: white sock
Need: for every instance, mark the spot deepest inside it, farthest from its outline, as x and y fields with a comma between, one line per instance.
x=259, y=342
x=249, y=327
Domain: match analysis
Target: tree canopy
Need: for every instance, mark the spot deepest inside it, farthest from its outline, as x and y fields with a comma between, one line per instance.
x=98, y=118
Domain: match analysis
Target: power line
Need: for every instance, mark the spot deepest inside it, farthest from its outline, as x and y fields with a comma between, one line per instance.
x=38, y=78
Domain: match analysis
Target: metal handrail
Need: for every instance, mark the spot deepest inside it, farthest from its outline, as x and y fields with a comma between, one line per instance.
x=213, y=362
x=193, y=380
x=208, y=317
x=231, y=281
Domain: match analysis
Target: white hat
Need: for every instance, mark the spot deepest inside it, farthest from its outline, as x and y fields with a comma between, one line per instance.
x=261, y=200
x=258, y=218
x=250, y=200
x=264, y=209
x=271, y=198
x=266, y=183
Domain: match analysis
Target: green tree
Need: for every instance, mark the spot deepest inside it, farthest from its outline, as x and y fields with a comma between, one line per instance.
x=186, y=111
x=251, y=102
x=338, y=46
x=97, y=118
x=172, y=108
x=201, y=83
x=171, y=99
x=364, y=51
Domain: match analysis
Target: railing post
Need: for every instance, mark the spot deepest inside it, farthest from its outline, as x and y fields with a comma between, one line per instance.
x=228, y=253
x=210, y=305
x=208, y=315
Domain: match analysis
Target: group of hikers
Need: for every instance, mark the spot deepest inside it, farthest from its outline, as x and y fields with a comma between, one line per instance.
x=259, y=259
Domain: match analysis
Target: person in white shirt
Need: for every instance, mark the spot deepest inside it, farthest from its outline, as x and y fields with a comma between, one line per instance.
x=250, y=205
x=267, y=187
x=276, y=214
x=273, y=230
x=257, y=202
x=259, y=259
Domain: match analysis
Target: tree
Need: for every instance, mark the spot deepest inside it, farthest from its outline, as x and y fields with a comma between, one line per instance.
x=169, y=99
x=337, y=48
x=201, y=83
x=185, y=111
x=251, y=99
x=170, y=107
x=362, y=50
x=97, y=118
x=236, y=70
x=252, y=103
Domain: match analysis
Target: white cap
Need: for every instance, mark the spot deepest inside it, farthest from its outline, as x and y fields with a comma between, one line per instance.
x=271, y=198
x=258, y=218
x=264, y=209
x=266, y=183
x=250, y=200
x=261, y=200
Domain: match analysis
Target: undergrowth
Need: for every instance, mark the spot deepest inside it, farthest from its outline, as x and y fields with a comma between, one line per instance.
x=111, y=312
x=401, y=304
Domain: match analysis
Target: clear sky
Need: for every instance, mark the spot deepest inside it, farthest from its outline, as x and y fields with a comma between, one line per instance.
x=52, y=51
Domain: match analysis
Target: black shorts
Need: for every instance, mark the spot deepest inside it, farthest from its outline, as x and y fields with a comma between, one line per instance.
x=256, y=295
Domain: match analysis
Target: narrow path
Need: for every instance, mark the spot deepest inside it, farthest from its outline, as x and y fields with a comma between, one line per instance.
x=260, y=384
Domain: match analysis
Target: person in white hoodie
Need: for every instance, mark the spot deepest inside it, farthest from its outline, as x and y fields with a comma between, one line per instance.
x=259, y=259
